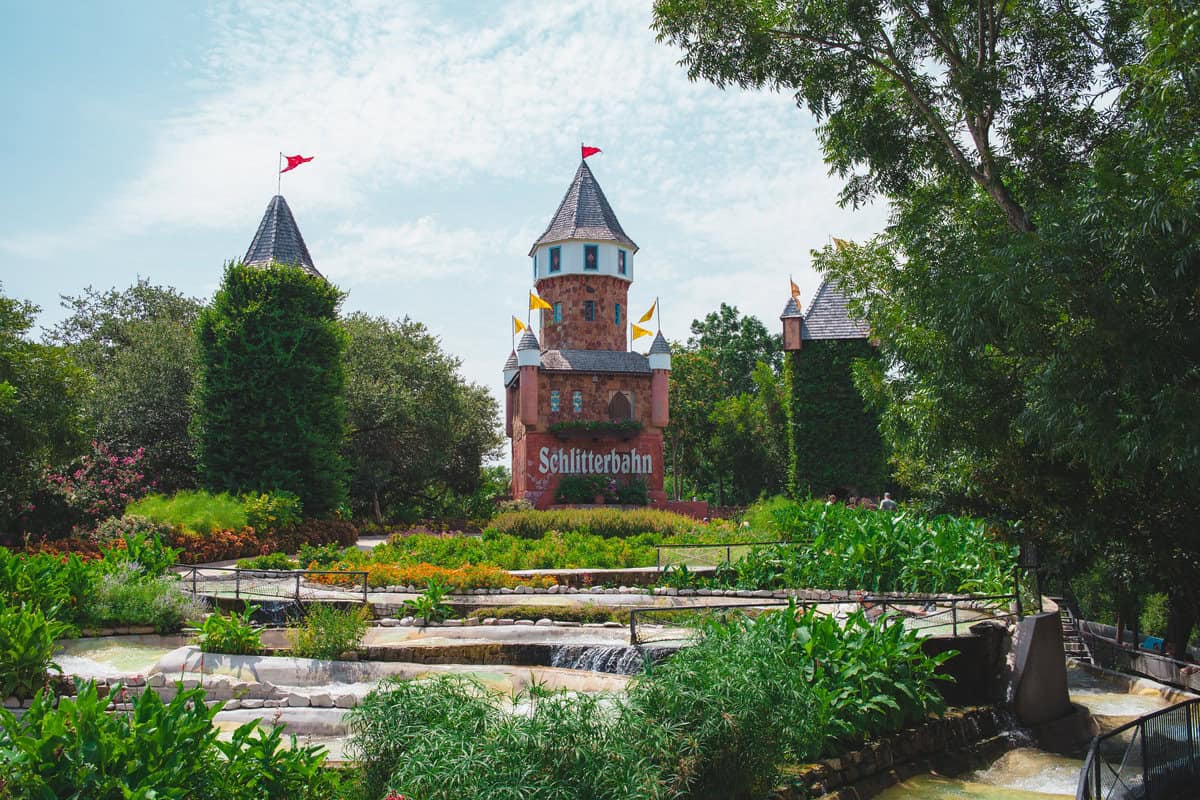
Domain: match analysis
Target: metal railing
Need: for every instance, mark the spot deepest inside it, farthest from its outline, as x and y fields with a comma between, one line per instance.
x=728, y=548
x=1155, y=757
x=273, y=584
x=914, y=612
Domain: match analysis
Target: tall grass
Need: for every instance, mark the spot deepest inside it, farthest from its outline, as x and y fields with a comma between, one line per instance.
x=716, y=720
x=198, y=511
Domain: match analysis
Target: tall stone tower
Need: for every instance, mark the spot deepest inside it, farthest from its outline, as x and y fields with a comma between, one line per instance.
x=578, y=402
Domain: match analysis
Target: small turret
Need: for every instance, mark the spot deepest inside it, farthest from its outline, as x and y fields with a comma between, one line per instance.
x=510, y=392
x=792, y=320
x=660, y=383
x=510, y=368
x=278, y=240
x=529, y=358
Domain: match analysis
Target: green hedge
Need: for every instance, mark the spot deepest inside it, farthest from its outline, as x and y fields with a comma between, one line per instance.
x=608, y=522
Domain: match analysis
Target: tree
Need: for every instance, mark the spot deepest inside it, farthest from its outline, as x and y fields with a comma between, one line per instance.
x=140, y=347
x=270, y=412
x=41, y=419
x=417, y=429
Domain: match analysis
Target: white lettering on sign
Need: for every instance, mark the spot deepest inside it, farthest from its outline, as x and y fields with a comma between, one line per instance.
x=586, y=462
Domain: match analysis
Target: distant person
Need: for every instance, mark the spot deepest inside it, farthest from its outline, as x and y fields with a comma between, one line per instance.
x=887, y=503
x=831, y=500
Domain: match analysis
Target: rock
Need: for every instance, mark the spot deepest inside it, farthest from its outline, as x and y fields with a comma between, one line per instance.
x=12, y=702
x=389, y=623
x=704, y=592
x=612, y=624
x=345, y=700
x=566, y=624
x=553, y=589
x=189, y=683
x=135, y=681
x=544, y=622
x=233, y=705
x=717, y=592
x=506, y=590
x=253, y=703
x=764, y=593
x=505, y=621
x=27, y=702
x=407, y=620
x=572, y=590
x=320, y=700
x=539, y=590
x=453, y=623
x=523, y=622
x=489, y=621
x=297, y=701
x=594, y=624
x=156, y=680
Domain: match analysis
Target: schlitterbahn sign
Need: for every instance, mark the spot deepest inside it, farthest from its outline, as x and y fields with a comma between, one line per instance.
x=588, y=462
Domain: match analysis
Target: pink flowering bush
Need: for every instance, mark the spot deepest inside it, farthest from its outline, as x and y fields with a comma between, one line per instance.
x=100, y=485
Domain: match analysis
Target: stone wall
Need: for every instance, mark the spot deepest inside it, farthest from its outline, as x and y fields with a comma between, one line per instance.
x=949, y=745
x=574, y=332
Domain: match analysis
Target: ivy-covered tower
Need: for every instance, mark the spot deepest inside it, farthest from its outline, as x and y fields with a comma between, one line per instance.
x=834, y=444
x=580, y=408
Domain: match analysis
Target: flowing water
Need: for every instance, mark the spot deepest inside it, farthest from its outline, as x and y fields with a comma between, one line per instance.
x=1021, y=774
x=114, y=656
x=616, y=660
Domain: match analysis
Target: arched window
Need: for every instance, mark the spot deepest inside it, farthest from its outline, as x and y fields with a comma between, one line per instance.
x=619, y=407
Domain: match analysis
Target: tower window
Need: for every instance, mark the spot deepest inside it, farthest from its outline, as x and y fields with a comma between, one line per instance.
x=555, y=259
x=621, y=262
x=591, y=256
x=589, y=310
x=555, y=401
x=557, y=312
x=617, y=306
x=577, y=401
x=620, y=407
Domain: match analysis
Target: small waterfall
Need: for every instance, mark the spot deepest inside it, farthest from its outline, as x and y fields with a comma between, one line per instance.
x=615, y=660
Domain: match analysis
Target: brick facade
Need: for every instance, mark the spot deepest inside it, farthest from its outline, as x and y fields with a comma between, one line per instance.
x=575, y=332
x=538, y=486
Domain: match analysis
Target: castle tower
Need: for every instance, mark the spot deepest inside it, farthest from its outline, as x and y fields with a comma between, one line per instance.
x=579, y=406
x=278, y=240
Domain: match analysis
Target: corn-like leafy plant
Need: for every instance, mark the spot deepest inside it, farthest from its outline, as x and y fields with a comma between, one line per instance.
x=27, y=638
x=429, y=606
x=234, y=634
x=328, y=632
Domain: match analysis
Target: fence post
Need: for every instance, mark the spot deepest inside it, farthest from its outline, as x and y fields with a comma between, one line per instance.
x=364, y=577
x=297, y=588
x=1099, y=779
x=633, y=626
x=728, y=554
x=954, y=618
x=193, y=583
x=658, y=558
x=237, y=584
x=1146, y=790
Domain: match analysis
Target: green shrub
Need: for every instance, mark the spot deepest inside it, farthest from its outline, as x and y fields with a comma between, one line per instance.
x=27, y=639
x=128, y=526
x=270, y=561
x=429, y=606
x=327, y=631
x=324, y=556
x=149, y=553
x=270, y=511
x=234, y=635
x=157, y=751
x=195, y=511
x=1153, y=619
x=573, y=613
x=608, y=522
x=581, y=488
x=126, y=596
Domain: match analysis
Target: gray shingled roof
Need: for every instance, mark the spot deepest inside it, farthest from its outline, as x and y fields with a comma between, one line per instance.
x=511, y=363
x=584, y=213
x=528, y=341
x=792, y=309
x=278, y=239
x=829, y=318
x=595, y=361
x=660, y=345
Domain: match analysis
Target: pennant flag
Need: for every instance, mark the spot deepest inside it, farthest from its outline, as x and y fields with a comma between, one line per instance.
x=840, y=244
x=537, y=302
x=589, y=151
x=518, y=326
x=795, y=290
x=295, y=161
x=646, y=317
x=639, y=331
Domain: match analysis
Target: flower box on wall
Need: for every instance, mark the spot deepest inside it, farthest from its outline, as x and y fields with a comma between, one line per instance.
x=596, y=429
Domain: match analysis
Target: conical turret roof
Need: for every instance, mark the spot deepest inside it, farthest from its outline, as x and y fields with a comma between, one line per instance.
x=584, y=213
x=792, y=309
x=511, y=363
x=278, y=239
x=528, y=342
x=659, y=345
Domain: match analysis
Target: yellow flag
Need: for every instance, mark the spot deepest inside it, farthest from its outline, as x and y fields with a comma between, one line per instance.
x=518, y=326
x=537, y=302
x=840, y=244
x=646, y=317
x=639, y=331
x=795, y=290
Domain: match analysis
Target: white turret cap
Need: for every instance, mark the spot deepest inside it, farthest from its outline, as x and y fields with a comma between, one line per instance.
x=660, y=353
x=529, y=352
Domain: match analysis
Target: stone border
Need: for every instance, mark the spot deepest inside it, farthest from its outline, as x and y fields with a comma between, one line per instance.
x=948, y=743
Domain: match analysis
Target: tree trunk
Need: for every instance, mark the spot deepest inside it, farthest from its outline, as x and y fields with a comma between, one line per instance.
x=1181, y=619
x=375, y=510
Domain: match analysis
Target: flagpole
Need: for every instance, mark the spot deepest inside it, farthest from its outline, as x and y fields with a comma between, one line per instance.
x=279, y=175
x=658, y=310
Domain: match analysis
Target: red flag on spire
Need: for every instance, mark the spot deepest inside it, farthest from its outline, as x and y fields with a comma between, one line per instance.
x=295, y=161
x=589, y=151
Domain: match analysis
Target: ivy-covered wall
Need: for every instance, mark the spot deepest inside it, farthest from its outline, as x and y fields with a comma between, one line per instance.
x=834, y=445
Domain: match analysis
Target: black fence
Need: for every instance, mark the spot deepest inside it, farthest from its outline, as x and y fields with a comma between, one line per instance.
x=291, y=585
x=1155, y=757
x=705, y=555
x=934, y=615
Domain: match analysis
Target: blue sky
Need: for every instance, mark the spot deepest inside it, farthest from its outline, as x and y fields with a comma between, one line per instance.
x=141, y=139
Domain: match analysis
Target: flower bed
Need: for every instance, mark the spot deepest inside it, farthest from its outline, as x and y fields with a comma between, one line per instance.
x=467, y=576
